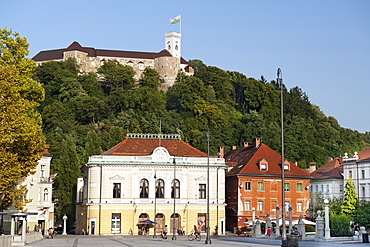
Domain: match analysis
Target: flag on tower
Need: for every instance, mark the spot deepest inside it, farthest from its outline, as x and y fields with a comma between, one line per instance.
x=175, y=20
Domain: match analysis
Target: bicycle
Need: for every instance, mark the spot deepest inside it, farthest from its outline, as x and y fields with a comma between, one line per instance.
x=162, y=236
x=194, y=236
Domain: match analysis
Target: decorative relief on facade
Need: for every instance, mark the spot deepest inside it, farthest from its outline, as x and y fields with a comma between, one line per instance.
x=117, y=177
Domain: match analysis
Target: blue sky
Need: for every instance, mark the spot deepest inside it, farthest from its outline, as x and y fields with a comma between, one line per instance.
x=323, y=47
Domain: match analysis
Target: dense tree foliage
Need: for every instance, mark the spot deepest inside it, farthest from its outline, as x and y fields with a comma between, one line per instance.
x=21, y=141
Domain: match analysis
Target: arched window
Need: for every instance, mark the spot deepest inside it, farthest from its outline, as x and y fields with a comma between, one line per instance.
x=176, y=47
x=175, y=189
x=159, y=188
x=46, y=194
x=141, y=66
x=169, y=47
x=144, y=188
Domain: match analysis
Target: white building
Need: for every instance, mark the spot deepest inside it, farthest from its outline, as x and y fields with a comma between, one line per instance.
x=359, y=167
x=150, y=177
x=41, y=208
x=328, y=180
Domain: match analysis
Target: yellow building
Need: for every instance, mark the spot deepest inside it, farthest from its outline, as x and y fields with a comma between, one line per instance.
x=151, y=178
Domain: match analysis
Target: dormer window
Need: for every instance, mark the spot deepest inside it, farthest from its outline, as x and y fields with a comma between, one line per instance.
x=286, y=165
x=130, y=63
x=263, y=165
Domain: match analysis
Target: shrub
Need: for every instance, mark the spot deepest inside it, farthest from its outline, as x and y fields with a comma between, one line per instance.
x=340, y=225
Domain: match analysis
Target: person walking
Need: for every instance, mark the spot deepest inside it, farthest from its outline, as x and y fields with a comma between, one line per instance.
x=268, y=233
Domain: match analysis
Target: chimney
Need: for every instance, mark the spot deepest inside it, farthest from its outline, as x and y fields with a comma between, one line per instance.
x=221, y=152
x=257, y=142
x=233, y=147
x=245, y=144
x=312, y=167
x=329, y=159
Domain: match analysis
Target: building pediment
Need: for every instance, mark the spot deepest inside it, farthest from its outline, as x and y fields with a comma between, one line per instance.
x=160, y=154
x=202, y=179
x=117, y=177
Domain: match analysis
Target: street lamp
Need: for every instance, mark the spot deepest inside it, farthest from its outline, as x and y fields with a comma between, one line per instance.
x=208, y=240
x=174, y=199
x=65, y=218
x=280, y=86
x=155, y=208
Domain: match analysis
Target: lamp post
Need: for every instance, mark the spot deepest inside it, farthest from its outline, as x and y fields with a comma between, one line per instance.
x=155, y=208
x=174, y=199
x=65, y=218
x=281, y=87
x=208, y=240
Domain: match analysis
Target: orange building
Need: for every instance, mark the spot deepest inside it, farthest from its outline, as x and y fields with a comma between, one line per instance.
x=254, y=185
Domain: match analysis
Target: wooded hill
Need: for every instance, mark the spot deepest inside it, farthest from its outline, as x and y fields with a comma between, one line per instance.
x=95, y=114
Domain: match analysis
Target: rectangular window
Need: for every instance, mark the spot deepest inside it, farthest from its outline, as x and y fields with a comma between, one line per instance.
x=363, y=173
x=202, y=191
x=327, y=188
x=341, y=187
x=260, y=206
x=116, y=223
x=263, y=167
x=116, y=190
x=247, y=206
x=286, y=186
x=247, y=186
x=299, y=187
x=299, y=206
x=261, y=186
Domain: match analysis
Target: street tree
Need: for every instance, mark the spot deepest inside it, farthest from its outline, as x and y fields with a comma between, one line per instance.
x=350, y=202
x=21, y=141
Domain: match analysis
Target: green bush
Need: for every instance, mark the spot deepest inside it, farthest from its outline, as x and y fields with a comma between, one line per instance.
x=309, y=228
x=340, y=225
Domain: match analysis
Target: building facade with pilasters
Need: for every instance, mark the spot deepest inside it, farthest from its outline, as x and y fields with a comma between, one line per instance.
x=153, y=178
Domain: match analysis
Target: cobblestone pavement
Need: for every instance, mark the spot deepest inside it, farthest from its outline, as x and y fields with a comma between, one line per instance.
x=144, y=241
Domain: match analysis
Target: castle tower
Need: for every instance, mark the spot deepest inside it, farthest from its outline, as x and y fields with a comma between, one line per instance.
x=173, y=43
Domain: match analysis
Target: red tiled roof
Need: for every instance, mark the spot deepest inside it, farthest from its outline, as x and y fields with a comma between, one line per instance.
x=247, y=159
x=146, y=147
x=332, y=169
x=364, y=154
x=92, y=52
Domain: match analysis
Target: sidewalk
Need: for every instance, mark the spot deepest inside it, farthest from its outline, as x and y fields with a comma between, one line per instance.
x=145, y=241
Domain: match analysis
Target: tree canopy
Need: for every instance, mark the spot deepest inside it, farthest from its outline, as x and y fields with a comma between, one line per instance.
x=21, y=142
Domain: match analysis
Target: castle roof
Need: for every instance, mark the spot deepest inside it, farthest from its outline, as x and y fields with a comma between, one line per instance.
x=92, y=52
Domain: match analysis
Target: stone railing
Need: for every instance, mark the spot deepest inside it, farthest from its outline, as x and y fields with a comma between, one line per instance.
x=5, y=240
x=33, y=237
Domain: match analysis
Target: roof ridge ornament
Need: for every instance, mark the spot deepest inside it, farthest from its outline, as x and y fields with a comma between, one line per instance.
x=153, y=136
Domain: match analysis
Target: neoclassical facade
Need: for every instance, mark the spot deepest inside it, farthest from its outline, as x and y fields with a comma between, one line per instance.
x=152, y=177
x=358, y=166
x=167, y=62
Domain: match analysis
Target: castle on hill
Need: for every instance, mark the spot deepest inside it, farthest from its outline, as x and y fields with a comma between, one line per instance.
x=167, y=62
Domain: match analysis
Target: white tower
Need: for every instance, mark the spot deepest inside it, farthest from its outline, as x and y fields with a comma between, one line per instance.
x=173, y=43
